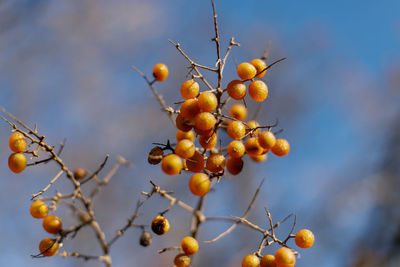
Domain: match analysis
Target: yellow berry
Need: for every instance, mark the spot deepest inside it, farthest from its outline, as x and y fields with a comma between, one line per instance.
x=207, y=101
x=160, y=225
x=208, y=142
x=236, y=89
x=215, y=163
x=236, y=149
x=182, y=260
x=284, y=257
x=260, y=65
x=39, y=209
x=189, y=245
x=252, y=146
x=266, y=140
x=180, y=135
x=190, y=108
x=17, y=162
x=251, y=261
x=304, y=238
x=52, y=224
x=17, y=142
x=183, y=123
x=185, y=149
x=236, y=130
x=238, y=111
x=268, y=261
x=205, y=121
x=199, y=184
x=160, y=72
x=48, y=247
x=246, y=71
x=281, y=147
x=189, y=89
x=258, y=90
x=171, y=164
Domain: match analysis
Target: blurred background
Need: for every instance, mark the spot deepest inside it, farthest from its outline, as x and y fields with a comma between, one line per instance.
x=65, y=65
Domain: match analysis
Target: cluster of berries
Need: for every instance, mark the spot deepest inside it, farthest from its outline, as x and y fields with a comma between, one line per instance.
x=199, y=116
x=284, y=257
x=51, y=224
x=17, y=160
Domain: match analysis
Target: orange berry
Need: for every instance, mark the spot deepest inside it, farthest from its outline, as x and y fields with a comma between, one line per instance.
x=304, y=238
x=79, y=173
x=281, y=147
x=48, y=247
x=266, y=139
x=189, y=89
x=234, y=165
x=185, y=149
x=189, y=245
x=238, y=111
x=160, y=72
x=195, y=163
x=205, y=121
x=268, y=261
x=180, y=135
x=208, y=142
x=39, y=209
x=246, y=71
x=17, y=162
x=260, y=65
x=215, y=163
x=17, y=142
x=284, y=257
x=207, y=101
x=251, y=261
x=236, y=89
x=236, y=149
x=252, y=146
x=236, y=130
x=258, y=90
x=190, y=108
x=52, y=224
x=252, y=125
x=160, y=225
x=259, y=158
x=182, y=260
x=199, y=184
x=183, y=123
x=171, y=164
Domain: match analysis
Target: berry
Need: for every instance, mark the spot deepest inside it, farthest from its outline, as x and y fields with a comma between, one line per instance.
x=238, y=111
x=304, y=238
x=189, y=89
x=284, y=257
x=160, y=72
x=155, y=155
x=259, y=158
x=236, y=149
x=145, y=239
x=234, y=165
x=79, y=173
x=160, y=225
x=258, y=90
x=171, y=164
x=215, y=163
x=199, y=184
x=236, y=89
x=183, y=123
x=17, y=162
x=260, y=65
x=52, y=224
x=268, y=261
x=185, y=149
x=252, y=146
x=48, y=247
x=195, y=163
x=39, y=209
x=190, y=108
x=189, y=245
x=180, y=135
x=207, y=101
x=266, y=140
x=246, y=71
x=182, y=260
x=203, y=132
x=205, y=121
x=17, y=142
x=251, y=261
x=281, y=147
x=208, y=142
x=236, y=130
